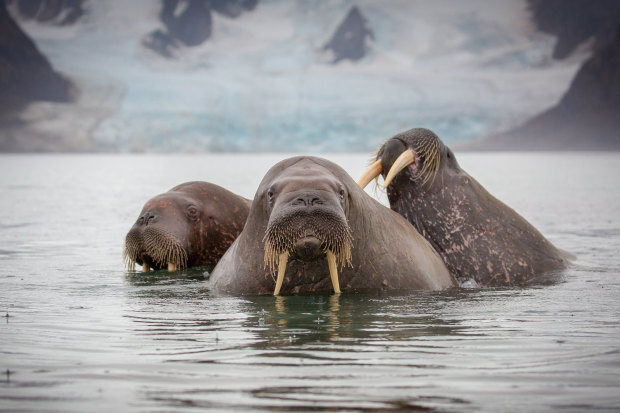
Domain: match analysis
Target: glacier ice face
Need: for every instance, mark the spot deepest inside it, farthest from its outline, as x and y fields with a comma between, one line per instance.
x=263, y=83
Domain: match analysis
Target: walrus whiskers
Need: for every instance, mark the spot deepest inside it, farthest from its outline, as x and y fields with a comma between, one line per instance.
x=428, y=149
x=133, y=245
x=340, y=246
x=129, y=260
x=280, y=238
x=164, y=249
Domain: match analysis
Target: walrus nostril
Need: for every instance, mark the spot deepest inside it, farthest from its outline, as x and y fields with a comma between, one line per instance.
x=147, y=218
x=308, y=200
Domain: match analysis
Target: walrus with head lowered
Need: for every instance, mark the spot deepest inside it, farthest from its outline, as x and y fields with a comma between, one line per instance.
x=478, y=236
x=193, y=224
x=312, y=229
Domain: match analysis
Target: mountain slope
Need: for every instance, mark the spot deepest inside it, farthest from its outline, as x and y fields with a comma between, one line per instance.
x=263, y=81
x=587, y=117
x=25, y=74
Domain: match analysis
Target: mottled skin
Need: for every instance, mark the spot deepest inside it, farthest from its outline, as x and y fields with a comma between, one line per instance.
x=477, y=235
x=203, y=218
x=387, y=252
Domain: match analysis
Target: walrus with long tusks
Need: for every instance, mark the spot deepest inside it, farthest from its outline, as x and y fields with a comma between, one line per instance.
x=312, y=229
x=478, y=236
x=193, y=224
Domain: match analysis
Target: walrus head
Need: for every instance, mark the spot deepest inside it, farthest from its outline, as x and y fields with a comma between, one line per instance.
x=413, y=157
x=160, y=235
x=193, y=224
x=307, y=222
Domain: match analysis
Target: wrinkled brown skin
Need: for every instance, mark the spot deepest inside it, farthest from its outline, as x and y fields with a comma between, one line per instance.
x=477, y=235
x=204, y=236
x=387, y=252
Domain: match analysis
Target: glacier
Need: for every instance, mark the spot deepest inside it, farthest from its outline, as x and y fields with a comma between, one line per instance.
x=262, y=82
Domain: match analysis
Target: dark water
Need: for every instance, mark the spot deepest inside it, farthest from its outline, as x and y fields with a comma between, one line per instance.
x=79, y=333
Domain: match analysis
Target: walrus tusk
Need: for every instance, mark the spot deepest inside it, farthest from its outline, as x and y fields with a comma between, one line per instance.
x=333, y=271
x=145, y=268
x=405, y=159
x=172, y=267
x=369, y=174
x=282, y=260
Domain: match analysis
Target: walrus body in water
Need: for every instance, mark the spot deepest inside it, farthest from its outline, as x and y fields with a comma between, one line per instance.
x=193, y=224
x=318, y=231
x=478, y=236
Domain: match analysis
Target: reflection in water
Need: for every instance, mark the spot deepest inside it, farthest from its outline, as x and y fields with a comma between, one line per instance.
x=161, y=277
x=342, y=319
x=286, y=321
x=325, y=344
x=383, y=351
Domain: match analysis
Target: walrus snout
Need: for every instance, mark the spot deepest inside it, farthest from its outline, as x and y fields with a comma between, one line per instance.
x=390, y=153
x=394, y=156
x=308, y=248
x=154, y=247
x=307, y=232
x=418, y=151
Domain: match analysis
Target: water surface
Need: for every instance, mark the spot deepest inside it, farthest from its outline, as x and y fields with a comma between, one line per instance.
x=80, y=333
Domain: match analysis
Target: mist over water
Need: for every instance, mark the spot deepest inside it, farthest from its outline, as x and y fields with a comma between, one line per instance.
x=79, y=333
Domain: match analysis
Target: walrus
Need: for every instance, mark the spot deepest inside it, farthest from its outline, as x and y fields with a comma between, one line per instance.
x=311, y=229
x=193, y=224
x=477, y=235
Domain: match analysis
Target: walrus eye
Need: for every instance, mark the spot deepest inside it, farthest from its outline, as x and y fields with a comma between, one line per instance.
x=341, y=194
x=192, y=212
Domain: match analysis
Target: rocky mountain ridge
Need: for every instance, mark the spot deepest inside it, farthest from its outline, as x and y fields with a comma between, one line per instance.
x=587, y=117
x=25, y=74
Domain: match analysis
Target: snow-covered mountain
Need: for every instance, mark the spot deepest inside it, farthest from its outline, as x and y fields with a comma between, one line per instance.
x=263, y=81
